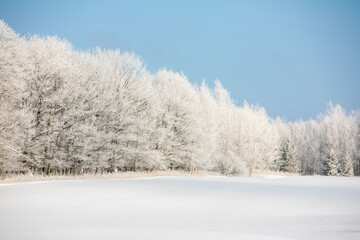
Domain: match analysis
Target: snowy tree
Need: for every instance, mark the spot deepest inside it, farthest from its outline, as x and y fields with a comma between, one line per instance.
x=258, y=139
x=117, y=121
x=207, y=127
x=49, y=69
x=357, y=144
x=348, y=166
x=338, y=141
x=331, y=163
x=178, y=121
x=288, y=161
x=225, y=160
x=14, y=119
x=306, y=138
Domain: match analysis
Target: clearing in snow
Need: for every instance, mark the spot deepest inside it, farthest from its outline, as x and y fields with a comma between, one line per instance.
x=183, y=208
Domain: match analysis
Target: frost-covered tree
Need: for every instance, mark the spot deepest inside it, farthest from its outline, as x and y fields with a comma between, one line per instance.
x=288, y=161
x=248, y=138
x=178, y=121
x=331, y=162
x=49, y=68
x=306, y=138
x=207, y=116
x=357, y=144
x=225, y=161
x=14, y=119
x=87, y=110
x=338, y=141
x=258, y=139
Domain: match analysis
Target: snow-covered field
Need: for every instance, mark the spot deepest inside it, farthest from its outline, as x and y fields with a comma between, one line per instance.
x=183, y=208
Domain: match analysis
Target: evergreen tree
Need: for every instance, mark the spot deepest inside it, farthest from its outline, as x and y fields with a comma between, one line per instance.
x=331, y=163
x=288, y=158
x=348, y=168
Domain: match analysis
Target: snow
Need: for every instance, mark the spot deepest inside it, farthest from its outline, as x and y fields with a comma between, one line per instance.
x=183, y=208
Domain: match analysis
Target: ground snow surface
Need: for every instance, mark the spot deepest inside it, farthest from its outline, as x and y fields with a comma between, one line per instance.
x=183, y=208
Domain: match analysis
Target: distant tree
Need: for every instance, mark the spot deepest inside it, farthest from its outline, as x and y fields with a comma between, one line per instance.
x=357, y=144
x=331, y=163
x=257, y=138
x=348, y=167
x=338, y=137
x=288, y=161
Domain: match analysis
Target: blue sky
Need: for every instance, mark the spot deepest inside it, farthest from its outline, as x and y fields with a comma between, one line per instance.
x=290, y=57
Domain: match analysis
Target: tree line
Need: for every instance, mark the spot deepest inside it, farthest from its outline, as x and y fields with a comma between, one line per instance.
x=70, y=112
